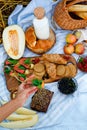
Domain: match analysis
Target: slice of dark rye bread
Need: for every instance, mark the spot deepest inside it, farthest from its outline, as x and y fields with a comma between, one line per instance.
x=41, y=100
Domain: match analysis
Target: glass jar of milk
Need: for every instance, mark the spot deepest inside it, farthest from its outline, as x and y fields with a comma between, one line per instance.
x=41, y=23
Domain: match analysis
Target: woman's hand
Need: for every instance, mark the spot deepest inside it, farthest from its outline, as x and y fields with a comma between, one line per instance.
x=25, y=90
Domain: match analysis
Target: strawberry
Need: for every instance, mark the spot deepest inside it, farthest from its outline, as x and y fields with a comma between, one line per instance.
x=79, y=65
x=85, y=60
x=36, y=60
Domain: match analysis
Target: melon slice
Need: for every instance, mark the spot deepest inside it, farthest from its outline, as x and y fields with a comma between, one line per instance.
x=18, y=124
x=14, y=41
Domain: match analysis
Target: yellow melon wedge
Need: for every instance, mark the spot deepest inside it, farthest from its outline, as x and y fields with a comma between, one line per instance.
x=21, y=123
x=15, y=117
x=25, y=111
x=22, y=110
x=14, y=41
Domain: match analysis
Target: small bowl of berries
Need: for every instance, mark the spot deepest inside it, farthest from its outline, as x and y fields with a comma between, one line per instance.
x=67, y=85
x=82, y=63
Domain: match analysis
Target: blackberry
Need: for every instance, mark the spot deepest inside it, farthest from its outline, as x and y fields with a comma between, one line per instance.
x=67, y=85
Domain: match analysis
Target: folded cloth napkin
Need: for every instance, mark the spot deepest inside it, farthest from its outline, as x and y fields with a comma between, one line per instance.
x=83, y=34
x=24, y=16
x=61, y=106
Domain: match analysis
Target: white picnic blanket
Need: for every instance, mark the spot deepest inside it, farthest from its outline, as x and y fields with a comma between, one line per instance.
x=57, y=117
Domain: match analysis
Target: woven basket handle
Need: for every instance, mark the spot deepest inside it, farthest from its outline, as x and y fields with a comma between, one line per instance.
x=72, y=2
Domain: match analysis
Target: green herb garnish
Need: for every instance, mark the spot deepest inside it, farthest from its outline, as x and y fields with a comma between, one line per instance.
x=37, y=82
x=81, y=59
x=7, y=70
x=27, y=61
x=22, y=75
x=21, y=67
x=12, y=61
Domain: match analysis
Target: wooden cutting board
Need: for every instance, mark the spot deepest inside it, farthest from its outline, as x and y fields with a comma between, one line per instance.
x=13, y=83
x=36, y=45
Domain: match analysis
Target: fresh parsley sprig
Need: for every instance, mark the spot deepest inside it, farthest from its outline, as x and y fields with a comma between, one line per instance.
x=13, y=61
x=37, y=82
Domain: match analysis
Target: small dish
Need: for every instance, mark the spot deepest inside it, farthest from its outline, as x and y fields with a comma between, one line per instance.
x=67, y=85
x=82, y=63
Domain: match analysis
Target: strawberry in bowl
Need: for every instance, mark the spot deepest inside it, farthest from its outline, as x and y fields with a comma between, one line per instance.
x=82, y=63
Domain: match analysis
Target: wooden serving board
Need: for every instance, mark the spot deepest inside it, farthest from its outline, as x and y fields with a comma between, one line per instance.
x=38, y=67
x=36, y=45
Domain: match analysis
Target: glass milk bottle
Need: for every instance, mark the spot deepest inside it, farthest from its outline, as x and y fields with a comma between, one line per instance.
x=41, y=24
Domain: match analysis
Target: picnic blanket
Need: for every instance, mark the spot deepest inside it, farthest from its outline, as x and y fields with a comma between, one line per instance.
x=66, y=112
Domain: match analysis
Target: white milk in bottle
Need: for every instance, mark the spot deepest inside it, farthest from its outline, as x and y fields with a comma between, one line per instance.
x=41, y=24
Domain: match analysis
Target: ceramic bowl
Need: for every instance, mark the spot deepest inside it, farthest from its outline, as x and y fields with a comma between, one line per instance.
x=82, y=63
x=67, y=85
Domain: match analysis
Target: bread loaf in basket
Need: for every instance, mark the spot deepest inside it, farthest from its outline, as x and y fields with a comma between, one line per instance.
x=68, y=20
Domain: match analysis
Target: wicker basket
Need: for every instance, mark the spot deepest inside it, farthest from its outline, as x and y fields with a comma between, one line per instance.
x=64, y=19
